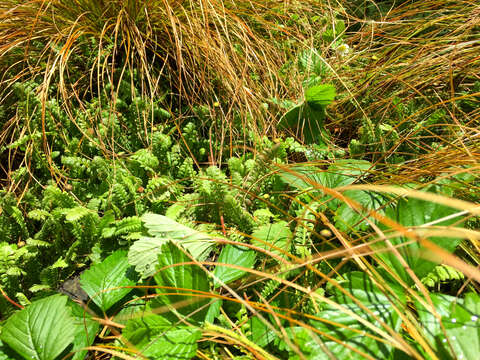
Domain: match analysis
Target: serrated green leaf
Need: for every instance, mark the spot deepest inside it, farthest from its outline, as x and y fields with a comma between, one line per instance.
x=59, y=264
x=275, y=238
x=102, y=280
x=139, y=330
x=162, y=113
x=15, y=271
x=180, y=280
x=38, y=243
x=235, y=255
x=38, y=287
x=143, y=254
x=311, y=63
x=38, y=214
x=157, y=339
x=42, y=330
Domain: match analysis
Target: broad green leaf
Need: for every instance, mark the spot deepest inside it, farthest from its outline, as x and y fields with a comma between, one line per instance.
x=86, y=330
x=213, y=310
x=318, y=97
x=348, y=219
x=133, y=309
x=461, y=320
x=261, y=335
x=346, y=171
x=363, y=289
x=139, y=329
x=333, y=33
x=156, y=338
x=236, y=255
x=102, y=281
x=292, y=117
x=143, y=254
x=414, y=212
x=307, y=119
x=42, y=330
x=340, y=173
x=309, y=115
x=275, y=238
x=354, y=333
x=181, y=279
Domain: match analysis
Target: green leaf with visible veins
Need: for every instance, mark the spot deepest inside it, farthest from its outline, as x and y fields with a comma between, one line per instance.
x=340, y=173
x=411, y=212
x=349, y=330
x=309, y=115
x=102, y=281
x=235, y=255
x=275, y=238
x=157, y=339
x=347, y=219
x=461, y=320
x=143, y=253
x=318, y=97
x=42, y=330
x=180, y=280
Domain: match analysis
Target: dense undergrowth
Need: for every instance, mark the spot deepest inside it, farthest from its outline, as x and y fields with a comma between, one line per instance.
x=239, y=180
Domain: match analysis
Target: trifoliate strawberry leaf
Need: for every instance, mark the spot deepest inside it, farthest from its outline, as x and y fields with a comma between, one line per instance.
x=105, y=282
x=42, y=330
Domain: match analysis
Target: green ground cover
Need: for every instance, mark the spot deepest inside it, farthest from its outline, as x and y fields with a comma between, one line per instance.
x=239, y=180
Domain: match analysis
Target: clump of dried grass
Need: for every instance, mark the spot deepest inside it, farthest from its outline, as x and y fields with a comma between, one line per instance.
x=225, y=51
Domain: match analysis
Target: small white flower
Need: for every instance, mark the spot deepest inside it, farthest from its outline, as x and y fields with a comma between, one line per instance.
x=343, y=50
